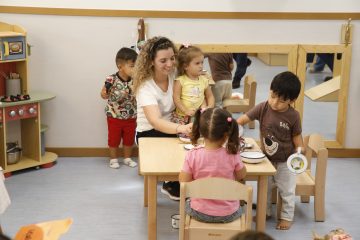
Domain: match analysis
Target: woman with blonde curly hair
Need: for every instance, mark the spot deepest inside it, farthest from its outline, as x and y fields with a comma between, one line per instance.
x=153, y=78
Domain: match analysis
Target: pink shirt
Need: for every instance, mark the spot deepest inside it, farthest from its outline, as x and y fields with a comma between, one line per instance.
x=202, y=163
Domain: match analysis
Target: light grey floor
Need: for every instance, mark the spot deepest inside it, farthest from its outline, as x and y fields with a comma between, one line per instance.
x=107, y=204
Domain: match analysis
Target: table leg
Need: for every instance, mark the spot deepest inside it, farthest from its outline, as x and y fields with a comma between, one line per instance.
x=152, y=201
x=261, y=203
x=145, y=191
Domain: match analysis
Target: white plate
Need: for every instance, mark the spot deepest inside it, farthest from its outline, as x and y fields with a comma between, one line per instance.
x=185, y=140
x=297, y=163
x=256, y=160
x=188, y=146
x=252, y=155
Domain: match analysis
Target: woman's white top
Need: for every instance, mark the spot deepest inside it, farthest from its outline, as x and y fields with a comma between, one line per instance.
x=150, y=94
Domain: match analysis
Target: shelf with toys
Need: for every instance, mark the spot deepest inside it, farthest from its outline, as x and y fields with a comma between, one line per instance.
x=19, y=108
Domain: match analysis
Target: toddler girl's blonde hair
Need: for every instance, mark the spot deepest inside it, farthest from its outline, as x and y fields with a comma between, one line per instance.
x=186, y=54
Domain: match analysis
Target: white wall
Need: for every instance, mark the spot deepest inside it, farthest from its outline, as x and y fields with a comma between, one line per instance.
x=72, y=55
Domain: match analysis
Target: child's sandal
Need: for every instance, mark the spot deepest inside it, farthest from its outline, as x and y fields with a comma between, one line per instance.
x=129, y=162
x=114, y=163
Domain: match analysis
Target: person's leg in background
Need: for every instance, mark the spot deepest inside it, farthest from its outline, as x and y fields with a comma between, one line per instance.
x=328, y=58
x=322, y=60
x=221, y=91
x=242, y=62
x=318, y=66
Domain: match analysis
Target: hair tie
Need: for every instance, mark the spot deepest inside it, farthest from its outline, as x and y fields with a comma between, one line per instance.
x=186, y=45
x=229, y=119
x=202, y=110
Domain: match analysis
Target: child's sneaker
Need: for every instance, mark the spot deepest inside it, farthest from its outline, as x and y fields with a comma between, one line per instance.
x=129, y=162
x=172, y=190
x=114, y=163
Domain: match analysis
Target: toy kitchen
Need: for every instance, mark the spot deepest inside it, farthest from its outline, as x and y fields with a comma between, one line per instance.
x=21, y=132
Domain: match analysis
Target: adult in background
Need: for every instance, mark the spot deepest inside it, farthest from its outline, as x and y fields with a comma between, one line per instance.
x=242, y=63
x=154, y=75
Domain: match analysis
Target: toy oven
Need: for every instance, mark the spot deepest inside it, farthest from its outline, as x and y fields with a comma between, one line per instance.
x=12, y=48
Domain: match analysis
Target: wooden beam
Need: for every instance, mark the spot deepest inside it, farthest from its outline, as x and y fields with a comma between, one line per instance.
x=181, y=14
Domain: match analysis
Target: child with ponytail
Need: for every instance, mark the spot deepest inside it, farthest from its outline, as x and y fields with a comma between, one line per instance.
x=218, y=157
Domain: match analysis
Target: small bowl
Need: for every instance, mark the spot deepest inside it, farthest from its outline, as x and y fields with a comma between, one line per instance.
x=14, y=156
x=175, y=221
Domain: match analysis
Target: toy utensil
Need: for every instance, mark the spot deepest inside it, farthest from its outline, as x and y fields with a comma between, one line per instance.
x=297, y=162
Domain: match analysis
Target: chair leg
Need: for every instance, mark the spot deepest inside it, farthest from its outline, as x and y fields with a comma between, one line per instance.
x=274, y=195
x=252, y=124
x=278, y=205
x=319, y=207
x=305, y=199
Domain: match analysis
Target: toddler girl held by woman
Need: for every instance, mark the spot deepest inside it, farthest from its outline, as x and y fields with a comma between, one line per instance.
x=219, y=157
x=191, y=87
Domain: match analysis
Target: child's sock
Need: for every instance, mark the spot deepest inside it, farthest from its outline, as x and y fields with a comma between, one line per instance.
x=114, y=163
x=129, y=162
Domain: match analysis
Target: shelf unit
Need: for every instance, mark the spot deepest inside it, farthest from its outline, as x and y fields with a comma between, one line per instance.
x=27, y=112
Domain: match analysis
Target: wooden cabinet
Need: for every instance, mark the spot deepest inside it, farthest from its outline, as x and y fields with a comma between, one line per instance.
x=25, y=114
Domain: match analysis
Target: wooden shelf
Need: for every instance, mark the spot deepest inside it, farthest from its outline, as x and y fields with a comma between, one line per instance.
x=10, y=61
x=11, y=34
x=28, y=162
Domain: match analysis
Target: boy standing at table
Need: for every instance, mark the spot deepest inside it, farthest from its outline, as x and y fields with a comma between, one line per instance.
x=280, y=136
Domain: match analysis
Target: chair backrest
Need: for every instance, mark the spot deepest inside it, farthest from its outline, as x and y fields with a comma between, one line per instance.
x=245, y=104
x=250, y=89
x=315, y=146
x=215, y=189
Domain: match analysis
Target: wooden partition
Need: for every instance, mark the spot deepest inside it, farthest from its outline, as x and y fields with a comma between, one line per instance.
x=297, y=64
x=341, y=68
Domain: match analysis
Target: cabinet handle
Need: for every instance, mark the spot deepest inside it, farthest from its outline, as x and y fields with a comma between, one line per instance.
x=12, y=113
x=32, y=110
x=29, y=49
x=6, y=48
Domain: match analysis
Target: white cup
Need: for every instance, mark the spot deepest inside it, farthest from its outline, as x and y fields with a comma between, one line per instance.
x=13, y=87
x=175, y=221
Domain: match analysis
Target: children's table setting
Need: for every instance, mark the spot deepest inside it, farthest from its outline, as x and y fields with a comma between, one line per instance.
x=161, y=159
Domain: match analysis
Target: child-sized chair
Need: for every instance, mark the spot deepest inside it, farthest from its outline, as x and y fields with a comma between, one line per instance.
x=216, y=189
x=308, y=184
x=245, y=104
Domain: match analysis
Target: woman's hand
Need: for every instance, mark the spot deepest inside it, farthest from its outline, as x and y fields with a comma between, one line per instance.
x=186, y=129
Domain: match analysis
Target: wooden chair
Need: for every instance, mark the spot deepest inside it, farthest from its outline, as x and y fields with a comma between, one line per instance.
x=245, y=104
x=309, y=184
x=217, y=189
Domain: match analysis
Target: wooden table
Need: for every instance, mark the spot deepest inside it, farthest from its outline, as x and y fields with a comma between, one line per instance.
x=161, y=159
